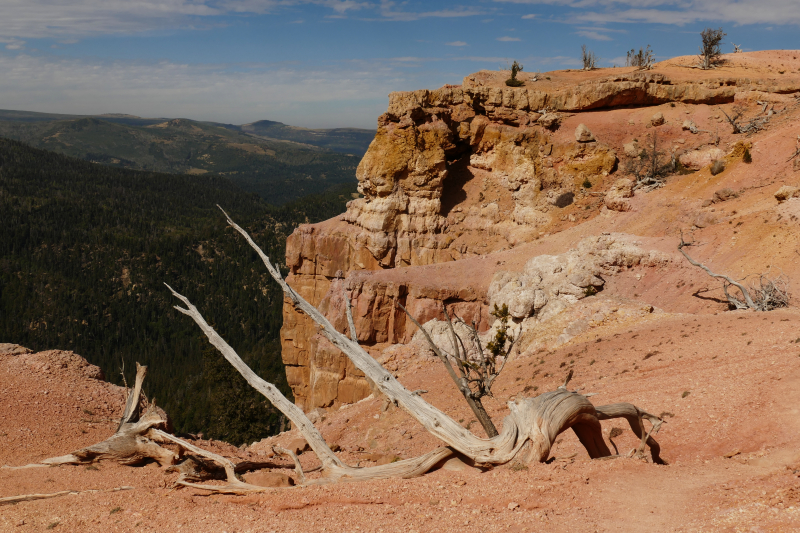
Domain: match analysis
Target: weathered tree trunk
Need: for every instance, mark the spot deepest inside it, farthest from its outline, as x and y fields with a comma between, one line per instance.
x=533, y=422
x=129, y=445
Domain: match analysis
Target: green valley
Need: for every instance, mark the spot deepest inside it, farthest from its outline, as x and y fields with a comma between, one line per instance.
x=85, y=250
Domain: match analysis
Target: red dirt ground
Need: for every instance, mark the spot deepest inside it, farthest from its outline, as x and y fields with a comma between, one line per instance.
x=741, y=371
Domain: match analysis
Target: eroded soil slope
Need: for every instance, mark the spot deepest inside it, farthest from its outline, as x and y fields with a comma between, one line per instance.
x=727, y=382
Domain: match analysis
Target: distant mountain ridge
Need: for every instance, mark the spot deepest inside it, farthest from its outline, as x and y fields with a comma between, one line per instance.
x=344, y=140
x=280, y=163
x=347, y=140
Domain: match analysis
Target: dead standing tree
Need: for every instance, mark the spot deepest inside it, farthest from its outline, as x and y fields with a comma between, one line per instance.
x=588, y=58
x=528, y=434
x=476, y=373
x=768, y=294
x=642, y=60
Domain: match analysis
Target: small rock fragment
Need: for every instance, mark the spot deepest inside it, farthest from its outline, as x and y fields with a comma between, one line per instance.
x=657, y=119
x=731, y=454
x=786, y=192
x=297, y=446
x=631, y=149
x=512, y=506
x=583, y=135
x=723, y=195
x=616, y=197
x=268, y=479
x=689, y=126
x=549, y=120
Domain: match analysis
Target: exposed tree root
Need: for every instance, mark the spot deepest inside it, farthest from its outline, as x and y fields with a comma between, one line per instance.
x=128, y=445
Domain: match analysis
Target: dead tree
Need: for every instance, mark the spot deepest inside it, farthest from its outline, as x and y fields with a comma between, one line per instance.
x=529, y=431
x=796, y=151
x=642, y=60
x=588, y=58
x=751, y=126
x=711, y=50
x=766, y=294
x=476, y=373
x=129, y=445
x=528, y=435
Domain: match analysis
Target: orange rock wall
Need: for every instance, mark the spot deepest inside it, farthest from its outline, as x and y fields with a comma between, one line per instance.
x=458, y=173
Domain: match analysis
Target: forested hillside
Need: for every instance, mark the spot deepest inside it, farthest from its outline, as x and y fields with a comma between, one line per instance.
x=85, y=250
x=278, y=170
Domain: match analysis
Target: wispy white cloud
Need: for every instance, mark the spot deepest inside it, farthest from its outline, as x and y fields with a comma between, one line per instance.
x=601, y=29
x=594, y=35
x=529, y=16
x=507, y=39
x=12, y=44
x=677, y=12
x=389, y=11
x=352, y=94
x=48, y=18
x=457, y=43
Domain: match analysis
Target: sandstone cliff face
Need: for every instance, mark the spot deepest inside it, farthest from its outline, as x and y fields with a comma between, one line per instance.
x=464, y=171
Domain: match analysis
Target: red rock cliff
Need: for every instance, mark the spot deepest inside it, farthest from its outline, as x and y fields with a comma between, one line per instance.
x=465, y=171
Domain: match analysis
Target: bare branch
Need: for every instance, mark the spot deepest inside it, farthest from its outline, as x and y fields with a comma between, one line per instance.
x=734, y=301
x=350, y=324
x=29, y=497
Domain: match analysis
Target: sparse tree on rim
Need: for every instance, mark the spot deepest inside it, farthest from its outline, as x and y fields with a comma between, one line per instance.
x=642, y=60
x=516, y=68
x=588, y=58
x=711, y=49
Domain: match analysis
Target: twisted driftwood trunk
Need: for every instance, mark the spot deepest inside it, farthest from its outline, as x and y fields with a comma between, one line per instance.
x=130, y=444
x=528, y=432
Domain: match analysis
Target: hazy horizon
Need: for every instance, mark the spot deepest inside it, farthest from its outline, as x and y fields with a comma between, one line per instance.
x=329, y=63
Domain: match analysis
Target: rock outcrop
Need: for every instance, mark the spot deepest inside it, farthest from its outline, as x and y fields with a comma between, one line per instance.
x=617, y=197
x=550, y=283
x=461, y=172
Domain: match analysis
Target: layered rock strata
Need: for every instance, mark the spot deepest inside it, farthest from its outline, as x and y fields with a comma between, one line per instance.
x=456, y=173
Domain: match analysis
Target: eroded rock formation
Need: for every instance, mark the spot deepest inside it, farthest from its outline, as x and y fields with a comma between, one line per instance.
x=464, y=171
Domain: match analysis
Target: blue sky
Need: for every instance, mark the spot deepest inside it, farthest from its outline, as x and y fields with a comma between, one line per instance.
x=329, y=63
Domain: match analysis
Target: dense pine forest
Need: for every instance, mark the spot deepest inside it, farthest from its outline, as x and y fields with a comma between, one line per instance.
x=85, y=250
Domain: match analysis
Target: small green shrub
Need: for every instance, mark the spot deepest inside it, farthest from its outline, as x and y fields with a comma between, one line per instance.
x=746, y=157
x=590, y=291
x=516, y=68
x=685, y=394
x=717, y=167
x=586, y=184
